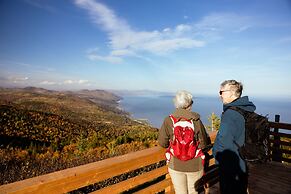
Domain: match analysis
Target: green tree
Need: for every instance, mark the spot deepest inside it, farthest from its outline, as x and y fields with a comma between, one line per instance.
x=214, y=122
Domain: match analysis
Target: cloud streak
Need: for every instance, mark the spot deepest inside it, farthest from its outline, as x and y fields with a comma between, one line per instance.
x=41, y=5
x=66, y=82
x=124, y=41
x=76, y=81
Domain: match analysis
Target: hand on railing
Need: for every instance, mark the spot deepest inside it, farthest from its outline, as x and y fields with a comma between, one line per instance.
x=207, y=148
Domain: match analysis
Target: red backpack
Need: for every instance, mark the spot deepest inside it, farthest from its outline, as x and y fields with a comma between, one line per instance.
x=183, y=146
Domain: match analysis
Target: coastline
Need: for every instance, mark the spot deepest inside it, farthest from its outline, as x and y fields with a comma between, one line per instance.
x=155, y=109
x=130, y=115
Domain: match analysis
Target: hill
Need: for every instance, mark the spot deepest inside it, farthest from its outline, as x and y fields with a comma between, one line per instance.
x=42, y=131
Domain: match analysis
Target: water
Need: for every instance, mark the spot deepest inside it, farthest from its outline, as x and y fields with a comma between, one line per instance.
x=156, y=108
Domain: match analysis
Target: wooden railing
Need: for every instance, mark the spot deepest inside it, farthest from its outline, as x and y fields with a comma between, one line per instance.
x=157, y=180
x=280, y=142
x=74, y=178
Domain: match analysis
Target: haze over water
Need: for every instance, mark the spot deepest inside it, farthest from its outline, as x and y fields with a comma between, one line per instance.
x=156, y=108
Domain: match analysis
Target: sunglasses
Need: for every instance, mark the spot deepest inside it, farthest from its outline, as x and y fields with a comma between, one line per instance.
x=221, y=91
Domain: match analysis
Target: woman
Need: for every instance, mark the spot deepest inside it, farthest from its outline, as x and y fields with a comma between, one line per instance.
x=184, y=173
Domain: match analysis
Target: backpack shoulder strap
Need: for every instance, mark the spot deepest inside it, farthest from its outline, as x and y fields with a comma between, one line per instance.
x=239, y=110
x=175, y=120
x=243, y=113
x=188, y=121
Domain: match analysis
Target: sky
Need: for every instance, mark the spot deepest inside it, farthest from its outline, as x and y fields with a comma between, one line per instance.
x=158, y=45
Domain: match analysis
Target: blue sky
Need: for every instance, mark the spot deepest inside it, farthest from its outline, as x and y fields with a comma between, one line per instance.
x=157, y=45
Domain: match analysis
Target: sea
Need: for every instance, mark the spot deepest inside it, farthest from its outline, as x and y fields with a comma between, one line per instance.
x=154, y=108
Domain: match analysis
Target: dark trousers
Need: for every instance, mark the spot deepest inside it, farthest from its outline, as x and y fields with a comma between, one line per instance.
x=232, y=179
x=233, y=183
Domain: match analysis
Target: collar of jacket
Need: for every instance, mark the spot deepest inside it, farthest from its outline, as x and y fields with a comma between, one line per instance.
x=179, y=112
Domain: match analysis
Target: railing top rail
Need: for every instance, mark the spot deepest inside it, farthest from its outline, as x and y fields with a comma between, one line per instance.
x=77, y=177
x=286, y=126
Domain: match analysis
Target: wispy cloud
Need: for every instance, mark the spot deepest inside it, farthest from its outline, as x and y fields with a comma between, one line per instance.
x=41, y=4
x=45, y=82
x=125, y=41
x=24, y=74
x=21, y=81
x=66, y=82
x=214, y=26
x=114, y=57
x=76, y=82
x=223, y=22
x=15, y=80
x=18, y=79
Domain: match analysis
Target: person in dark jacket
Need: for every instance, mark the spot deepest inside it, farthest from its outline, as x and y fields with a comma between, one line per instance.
x=184, y=174
x=231, y=134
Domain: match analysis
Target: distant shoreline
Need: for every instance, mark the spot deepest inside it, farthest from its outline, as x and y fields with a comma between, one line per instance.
x=156, y=108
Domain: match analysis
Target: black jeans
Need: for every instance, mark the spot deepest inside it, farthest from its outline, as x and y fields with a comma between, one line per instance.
x=232, y=179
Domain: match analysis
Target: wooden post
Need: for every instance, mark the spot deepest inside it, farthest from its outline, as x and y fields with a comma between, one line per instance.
x=169, y=189
x=277, y=155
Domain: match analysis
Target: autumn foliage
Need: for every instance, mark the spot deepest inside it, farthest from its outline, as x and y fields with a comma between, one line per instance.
x=43, y=131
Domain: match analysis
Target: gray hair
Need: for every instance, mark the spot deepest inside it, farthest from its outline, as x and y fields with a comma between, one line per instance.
x=235, y=86
x=183, y=99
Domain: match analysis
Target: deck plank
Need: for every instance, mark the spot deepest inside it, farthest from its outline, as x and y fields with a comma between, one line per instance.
x=272, y=177
x=268, y=178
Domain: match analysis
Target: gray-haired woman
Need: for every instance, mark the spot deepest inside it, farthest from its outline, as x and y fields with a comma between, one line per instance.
x=184, y=173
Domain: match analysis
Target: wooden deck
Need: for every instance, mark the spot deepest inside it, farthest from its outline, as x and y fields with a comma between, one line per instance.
x=269, y=178
x=273, y=177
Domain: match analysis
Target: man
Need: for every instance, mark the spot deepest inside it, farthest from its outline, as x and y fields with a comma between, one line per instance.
x=231, y=134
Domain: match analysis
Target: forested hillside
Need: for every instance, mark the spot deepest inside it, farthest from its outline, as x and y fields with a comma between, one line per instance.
x=42, y=131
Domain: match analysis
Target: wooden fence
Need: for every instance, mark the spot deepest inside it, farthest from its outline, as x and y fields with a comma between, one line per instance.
x=156, y=180
x=280, y=142
x=74, y=178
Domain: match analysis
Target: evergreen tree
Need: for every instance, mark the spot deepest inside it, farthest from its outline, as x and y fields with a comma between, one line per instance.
x=214, y=122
